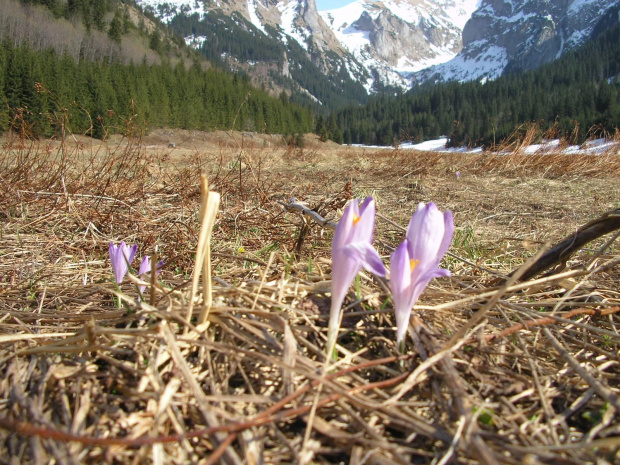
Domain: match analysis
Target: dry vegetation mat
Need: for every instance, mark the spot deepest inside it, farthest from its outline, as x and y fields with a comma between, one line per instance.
x=499, y=366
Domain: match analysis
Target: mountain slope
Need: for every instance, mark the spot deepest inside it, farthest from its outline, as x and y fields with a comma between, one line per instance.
x=329, y=58
x=60, y=70
x=575, y=97
x=283, y=46
x=519, y=35
x=368, y=43
x=394, y=37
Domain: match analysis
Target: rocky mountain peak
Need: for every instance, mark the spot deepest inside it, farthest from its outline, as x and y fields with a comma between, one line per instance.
x=395, y=37
x=519, y=34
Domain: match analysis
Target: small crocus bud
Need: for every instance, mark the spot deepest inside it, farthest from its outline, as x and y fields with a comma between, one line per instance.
x=121, y=257
x=145, y=268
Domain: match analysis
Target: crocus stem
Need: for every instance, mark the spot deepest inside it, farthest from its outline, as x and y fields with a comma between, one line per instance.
x=332, y=330
x=117, y=298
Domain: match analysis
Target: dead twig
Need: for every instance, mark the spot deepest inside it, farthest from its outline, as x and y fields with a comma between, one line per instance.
x=562, y=251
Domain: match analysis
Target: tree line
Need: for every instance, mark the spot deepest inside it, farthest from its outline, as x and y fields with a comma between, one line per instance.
x=41, y=89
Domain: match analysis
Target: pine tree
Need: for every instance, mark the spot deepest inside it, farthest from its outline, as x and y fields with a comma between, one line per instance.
x=333, y=130
x=115, y=29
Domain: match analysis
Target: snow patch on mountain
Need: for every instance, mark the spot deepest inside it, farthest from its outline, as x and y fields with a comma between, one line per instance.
x=519, y=34
x=289, y=11
x=166, y=10
x=425, y=32
x=406, y=65
x=401, y=42
x=254, y=19
x=460, y=11
x=488, y=65
x=340, y=20
x=195, y=41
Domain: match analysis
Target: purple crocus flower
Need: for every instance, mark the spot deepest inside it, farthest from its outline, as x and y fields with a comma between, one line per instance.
x=145, y=267
x=121, y=257
x=458, y=175
x=416, y=261
x=351, y=250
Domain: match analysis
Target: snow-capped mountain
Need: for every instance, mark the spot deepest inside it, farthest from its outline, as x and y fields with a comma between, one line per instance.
x=519, y=34
x=375, y=42
x=395, y=37
x=368, y=45
x=297, y=52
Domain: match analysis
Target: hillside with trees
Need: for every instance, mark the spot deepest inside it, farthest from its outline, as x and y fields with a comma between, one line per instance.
x=98, y=75
x=225, y=37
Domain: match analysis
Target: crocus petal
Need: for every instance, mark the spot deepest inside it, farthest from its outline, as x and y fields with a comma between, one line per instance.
x=356, y=225
x=367, y=256
x=400, y=284
x=365, y=226
x=344, y=230
x=131, y=253
x=344, y=270
x=448, y=223
x=416, y=260
x=426, y=233
x=351, y=250
x=121, y=257
x=145, y=267
x=421, y=282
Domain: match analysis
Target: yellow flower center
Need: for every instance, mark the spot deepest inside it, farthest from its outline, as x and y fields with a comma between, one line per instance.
x=413, y=263
x=356, y=219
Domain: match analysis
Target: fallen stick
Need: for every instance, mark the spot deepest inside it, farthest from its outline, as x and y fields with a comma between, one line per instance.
x=294, y=207
x=562, y=251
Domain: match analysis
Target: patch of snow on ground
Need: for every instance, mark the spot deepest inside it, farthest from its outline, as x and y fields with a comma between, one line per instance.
x=438, y=145
x=592, y=147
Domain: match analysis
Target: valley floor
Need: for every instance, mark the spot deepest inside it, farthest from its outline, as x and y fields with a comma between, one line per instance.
x=494, y=371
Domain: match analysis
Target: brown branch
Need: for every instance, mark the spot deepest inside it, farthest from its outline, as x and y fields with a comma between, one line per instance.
x=561, y=252
x=217, y=453
x=549, y=320
x=293, y=206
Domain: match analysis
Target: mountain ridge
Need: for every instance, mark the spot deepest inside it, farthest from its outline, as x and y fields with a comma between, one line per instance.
x=422, y=27
x=390, y=45
x=506, y=35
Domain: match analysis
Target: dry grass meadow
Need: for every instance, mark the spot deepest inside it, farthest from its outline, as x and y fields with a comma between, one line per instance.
x=497, y=369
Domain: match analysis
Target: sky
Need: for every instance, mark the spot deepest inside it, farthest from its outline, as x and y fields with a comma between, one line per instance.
x=331, y=4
